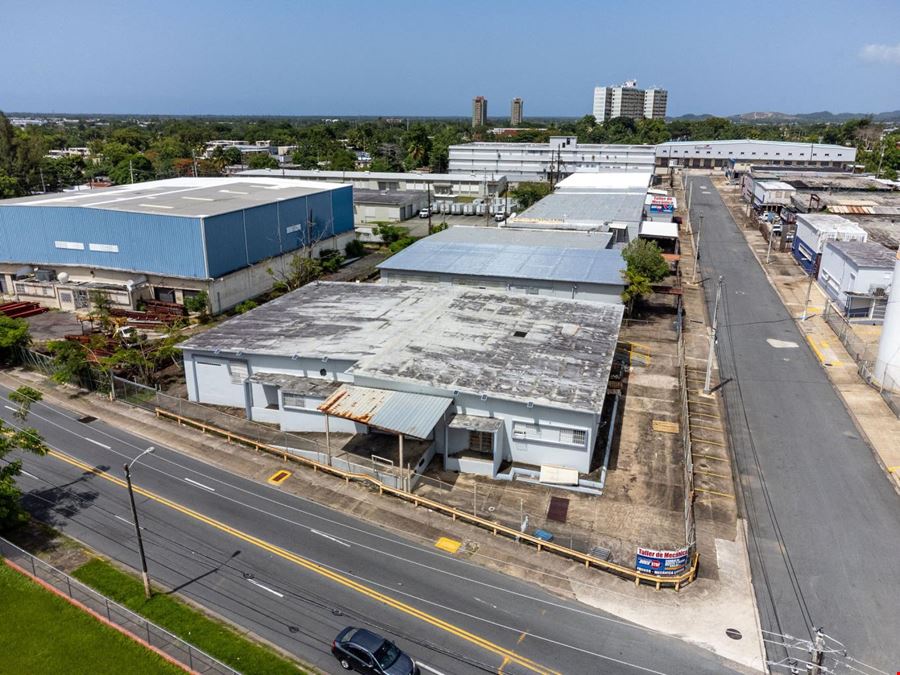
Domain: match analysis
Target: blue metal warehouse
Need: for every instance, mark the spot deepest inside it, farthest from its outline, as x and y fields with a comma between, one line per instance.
x=170, y=238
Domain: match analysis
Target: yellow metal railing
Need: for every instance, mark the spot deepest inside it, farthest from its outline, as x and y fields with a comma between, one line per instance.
x=589, y=561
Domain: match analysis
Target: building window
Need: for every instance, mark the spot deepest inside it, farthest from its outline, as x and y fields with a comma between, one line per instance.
x=482, y=442
x=572, y=436
x=522, y=431
x=292, y=401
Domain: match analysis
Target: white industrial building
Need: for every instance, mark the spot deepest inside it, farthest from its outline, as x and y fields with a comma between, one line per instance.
x=442, y=186
x=771, y=195
x=391, y=206
x=857, y=277
x=611, y=202
x=482, y=378
x=814, y=230
x=718, y=154
x=563, y=155
x=573, y=265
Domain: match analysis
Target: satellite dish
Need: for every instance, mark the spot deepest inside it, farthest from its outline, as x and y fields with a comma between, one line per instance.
x=63, y=277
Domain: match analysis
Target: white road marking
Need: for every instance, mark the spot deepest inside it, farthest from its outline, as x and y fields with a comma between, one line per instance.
x=125, y=520
x=11, y=408
x=265, y=588
x=428, y=668
x=328, y=536
x=200, y=485
x=30, y=475
x=781, y=344
x=102, y=445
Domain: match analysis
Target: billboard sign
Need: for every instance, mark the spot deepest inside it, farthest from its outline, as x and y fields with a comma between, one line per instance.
x=662, y=563
x=662, y=204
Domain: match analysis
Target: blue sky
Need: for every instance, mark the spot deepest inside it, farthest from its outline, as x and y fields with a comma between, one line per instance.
x=425, y=57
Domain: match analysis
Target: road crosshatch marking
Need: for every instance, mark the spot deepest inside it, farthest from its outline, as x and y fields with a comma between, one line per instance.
x=665, y=427
x=447, y=544
x=279, y=477
x=321, y=570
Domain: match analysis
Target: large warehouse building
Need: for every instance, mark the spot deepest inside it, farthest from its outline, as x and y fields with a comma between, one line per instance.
x=167, y=239
x=575, y=265
x=718, y=154
x=542, y=161
x=482, y=378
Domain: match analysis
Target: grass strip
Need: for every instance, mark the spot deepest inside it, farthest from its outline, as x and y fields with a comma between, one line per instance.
x=42, y=633
x=179, y=618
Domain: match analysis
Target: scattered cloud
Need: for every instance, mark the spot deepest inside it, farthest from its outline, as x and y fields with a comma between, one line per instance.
x=881, y=54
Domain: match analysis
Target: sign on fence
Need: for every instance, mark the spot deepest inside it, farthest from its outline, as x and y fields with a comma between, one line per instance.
x=662, y=563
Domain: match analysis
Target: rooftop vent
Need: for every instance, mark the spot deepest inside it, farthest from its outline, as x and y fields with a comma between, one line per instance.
x=520, y=333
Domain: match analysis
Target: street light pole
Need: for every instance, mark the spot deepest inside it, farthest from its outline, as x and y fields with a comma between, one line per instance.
x=137, y=527
x=707, y=384
x=808, y=293
x=769, y=249
x=697, y=248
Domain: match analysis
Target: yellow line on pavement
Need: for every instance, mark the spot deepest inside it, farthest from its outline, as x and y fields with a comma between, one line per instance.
x=818, y=352
x=714, y=492
x=318, y=569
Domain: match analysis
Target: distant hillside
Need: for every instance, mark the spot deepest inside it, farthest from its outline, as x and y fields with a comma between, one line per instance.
x=799, y=118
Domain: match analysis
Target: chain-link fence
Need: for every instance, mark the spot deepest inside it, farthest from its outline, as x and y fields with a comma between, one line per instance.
x=195, y=659
x=865, y=354
x=142, y=396
x=93, y=378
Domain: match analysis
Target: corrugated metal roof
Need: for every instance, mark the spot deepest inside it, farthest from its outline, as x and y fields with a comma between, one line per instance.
x=401, y=412
x=589, y=208
x=521, y=260
x=297, y=384
x=658, y=228
x=865, y=253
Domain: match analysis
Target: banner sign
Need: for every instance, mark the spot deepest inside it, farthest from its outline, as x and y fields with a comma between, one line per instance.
x=662, y=563
x=660, y=204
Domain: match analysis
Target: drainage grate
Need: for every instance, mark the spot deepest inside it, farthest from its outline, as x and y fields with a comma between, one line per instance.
x=558, y=510
x=733, y=633
x=87, y=419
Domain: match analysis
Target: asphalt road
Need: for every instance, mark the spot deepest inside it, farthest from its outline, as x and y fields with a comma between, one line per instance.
x=295, y=572
x=824, y=520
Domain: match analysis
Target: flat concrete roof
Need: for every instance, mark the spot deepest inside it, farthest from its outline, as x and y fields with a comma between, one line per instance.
x=865, y=253
x=186, y=197
x=605, y=180
x=387, y=197
x=583, y=210
x=550, y=351
x=572, y=257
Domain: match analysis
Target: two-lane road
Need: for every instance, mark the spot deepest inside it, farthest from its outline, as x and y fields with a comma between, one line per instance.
x=295, y=572
x=824, y=520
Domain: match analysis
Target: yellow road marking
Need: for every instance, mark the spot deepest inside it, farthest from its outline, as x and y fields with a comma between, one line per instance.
x=318, y=569
x=447, y=544
x=503, y=665
x=279, y=477
x=710, y=473
x=521, y=637
x=665, y=427
x=700, y=426
x=718, y=459
x=818, y=351
x=712, y=417
x=703, y=440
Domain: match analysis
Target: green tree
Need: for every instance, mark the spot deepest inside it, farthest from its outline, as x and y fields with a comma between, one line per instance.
x=70, y=362
x=527, y=194
x=9, y=186
x=13, y=336
x=300, y=271
x=262, y=160
x=355, y=249
x=24, y=396
x=391, y=233
x=645, y=258
x=198, y=302
x=232, y=155
x=638, y=287
x=134, y=169
x=11, y=512
x=342, y=159
x=132, y=359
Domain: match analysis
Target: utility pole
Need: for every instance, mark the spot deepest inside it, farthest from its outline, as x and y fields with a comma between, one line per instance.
x=43, y=184
x=428, y=187
x=194, y=161
x=131, y=170
x=817, y=655
x=812, y=276
x=690, y=194
x=137, y=527
x=769, y=249
x=697, y=248
x=707, y=384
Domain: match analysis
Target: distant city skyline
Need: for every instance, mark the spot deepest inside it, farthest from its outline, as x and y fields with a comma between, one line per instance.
x=353, y=58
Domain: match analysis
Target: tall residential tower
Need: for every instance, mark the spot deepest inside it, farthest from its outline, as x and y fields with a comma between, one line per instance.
x=515, y=114
x=479, y=111
x=626, y=100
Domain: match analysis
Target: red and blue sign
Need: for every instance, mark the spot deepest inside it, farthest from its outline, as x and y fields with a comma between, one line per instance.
x=662, y=563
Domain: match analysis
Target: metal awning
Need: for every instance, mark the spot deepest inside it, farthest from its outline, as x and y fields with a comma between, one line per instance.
x=398, y=411
x=476, y=423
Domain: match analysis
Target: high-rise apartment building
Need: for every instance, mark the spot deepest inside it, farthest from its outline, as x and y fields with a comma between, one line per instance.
x=655, y=103
x=515, y=114
x=626, y=100
x=479, y=111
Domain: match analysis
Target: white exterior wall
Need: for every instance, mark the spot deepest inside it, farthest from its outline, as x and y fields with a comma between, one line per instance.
x=812, y=237
x=838, y=276
x=610, y=293
x=764, y=196
x=532, y=161
x=887, y=365
x=757, y=151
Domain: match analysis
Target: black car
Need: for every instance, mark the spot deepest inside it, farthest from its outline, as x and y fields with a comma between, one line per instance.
x=365, y=652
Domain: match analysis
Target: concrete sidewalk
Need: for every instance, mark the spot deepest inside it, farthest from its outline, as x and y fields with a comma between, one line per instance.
x=699, y=614
x=873, y=418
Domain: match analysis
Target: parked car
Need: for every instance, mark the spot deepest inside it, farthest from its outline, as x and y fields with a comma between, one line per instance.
x=424, y=213
x=366, y=652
